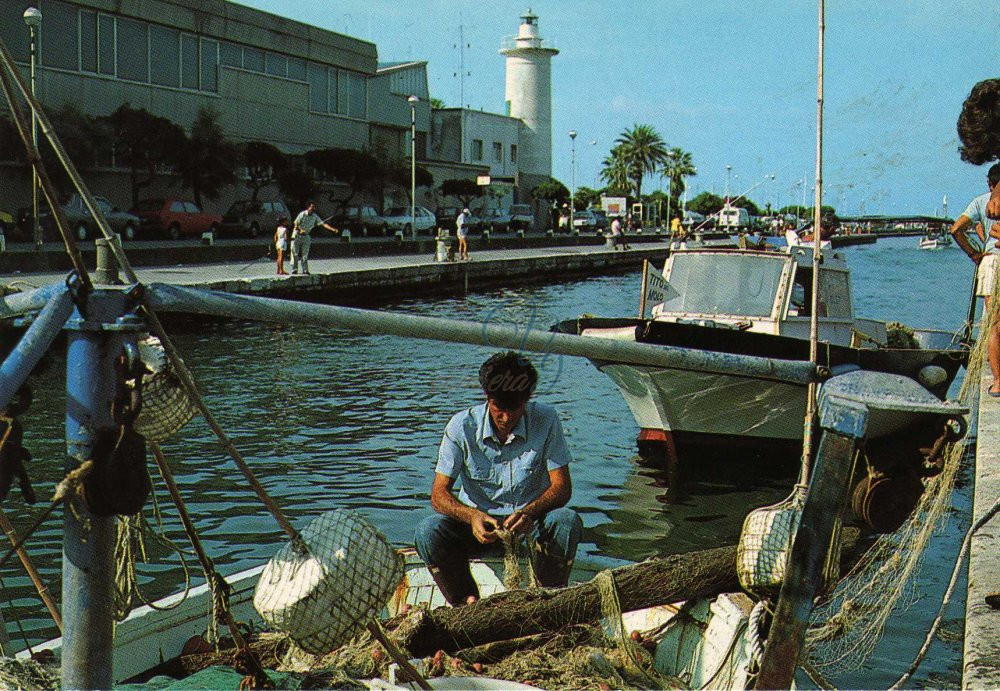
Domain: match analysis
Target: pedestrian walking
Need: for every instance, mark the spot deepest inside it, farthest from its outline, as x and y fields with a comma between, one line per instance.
x=304, y=223
x=281, y=244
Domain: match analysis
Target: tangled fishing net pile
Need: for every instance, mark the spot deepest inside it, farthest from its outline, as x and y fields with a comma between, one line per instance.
x=847, y=625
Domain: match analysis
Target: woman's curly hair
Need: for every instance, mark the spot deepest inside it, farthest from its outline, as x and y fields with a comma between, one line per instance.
x=979, y=123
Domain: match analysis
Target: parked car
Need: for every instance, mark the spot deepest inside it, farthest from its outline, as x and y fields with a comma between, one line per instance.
x=360, y=220
x=81, y=223
x=584, y=220
x=602, y=220
x=497, y=221
x=521, y=217
x=175, y=218
x=253, y=218
x=398, y=218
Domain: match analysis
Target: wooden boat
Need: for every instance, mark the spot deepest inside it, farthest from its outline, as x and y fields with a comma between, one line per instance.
x=700, y=641
x=734, y=307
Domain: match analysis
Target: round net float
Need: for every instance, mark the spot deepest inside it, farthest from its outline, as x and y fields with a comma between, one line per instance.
x=166, y=406
x=323, y=596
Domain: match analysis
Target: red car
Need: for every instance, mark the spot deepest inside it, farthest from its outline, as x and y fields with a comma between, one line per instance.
x=175, y=217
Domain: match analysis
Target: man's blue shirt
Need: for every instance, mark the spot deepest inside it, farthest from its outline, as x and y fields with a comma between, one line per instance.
x=500, y=477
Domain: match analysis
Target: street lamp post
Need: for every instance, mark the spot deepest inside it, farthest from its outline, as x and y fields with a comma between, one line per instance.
x=33, y=18
x=729, y=169
x=572, y=189
x=413, y=164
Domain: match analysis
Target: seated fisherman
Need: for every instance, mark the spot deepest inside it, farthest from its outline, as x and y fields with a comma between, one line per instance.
x=513, y=463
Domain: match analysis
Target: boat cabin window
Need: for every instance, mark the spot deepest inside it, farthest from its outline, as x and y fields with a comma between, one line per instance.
x=834, y=294
x=724, y=284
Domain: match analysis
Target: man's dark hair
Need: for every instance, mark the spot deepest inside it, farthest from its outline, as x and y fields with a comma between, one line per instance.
x=508, y=378
x=993, y=175
x=979, y=123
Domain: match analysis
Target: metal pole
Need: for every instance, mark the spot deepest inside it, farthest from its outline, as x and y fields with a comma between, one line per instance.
x=173, y=298
x=572, y=191
x=89, y=541
x=35, y=225
x=413, y=165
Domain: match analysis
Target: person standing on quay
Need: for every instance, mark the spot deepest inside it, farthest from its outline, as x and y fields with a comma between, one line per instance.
x=616, y=232
x=987, y=259
x=304, y=223
x=512, y=462
x=462, y=234
x=281, y=244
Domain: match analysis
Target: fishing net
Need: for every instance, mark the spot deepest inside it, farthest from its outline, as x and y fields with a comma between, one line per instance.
x=166, y=406
x=847, y=625
x=323, y=595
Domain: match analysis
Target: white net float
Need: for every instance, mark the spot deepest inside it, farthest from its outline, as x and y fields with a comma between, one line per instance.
x=766, y=541
x=326, y=595
x=166, y=406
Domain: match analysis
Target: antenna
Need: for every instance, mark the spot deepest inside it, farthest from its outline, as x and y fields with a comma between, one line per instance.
x=462, y=73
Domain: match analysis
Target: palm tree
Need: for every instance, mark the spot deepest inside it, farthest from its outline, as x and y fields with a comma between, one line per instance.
x=615, y=171
x=679, y=166
x=644, y=152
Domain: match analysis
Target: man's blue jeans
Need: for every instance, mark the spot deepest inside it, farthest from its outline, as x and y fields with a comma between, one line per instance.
x=445, y=543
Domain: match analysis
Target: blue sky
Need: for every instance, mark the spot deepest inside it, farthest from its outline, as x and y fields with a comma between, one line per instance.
x=732, y=82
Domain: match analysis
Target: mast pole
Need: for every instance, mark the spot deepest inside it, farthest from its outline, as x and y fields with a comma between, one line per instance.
x=810, y=419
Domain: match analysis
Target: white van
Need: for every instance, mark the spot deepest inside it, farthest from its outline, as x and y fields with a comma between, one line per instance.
x=733, y=217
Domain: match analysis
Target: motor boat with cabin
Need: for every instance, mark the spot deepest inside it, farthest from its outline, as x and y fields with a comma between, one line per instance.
x=935, y=241
x=752, y=307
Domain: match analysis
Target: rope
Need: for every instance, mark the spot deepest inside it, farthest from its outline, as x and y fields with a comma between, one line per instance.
x=922, y=653
x=187, y=379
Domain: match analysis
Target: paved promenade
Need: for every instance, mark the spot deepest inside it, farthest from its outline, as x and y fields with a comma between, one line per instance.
x=366, y=278
x=981, y=666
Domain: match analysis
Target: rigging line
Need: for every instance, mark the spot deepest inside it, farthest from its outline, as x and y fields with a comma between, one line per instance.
x=959, y=561
x=43, y=177
x=187, y=379
x=212, y=577
x=7, y=61
x=17, y=620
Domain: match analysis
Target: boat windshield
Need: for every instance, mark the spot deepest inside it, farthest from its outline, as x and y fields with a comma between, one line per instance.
x=724, y=284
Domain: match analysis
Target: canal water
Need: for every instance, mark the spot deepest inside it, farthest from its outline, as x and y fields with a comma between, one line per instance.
x=331, y=419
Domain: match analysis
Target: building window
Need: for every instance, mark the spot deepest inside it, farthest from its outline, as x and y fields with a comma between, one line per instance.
x=105, y=44
x=88, y=41
x=231, y=55
x=165, y=51
x=513, y=153
x=334, y=100
x=253, y=59
x=317, y=88
x=133, y=50
x=359, y=96
x=297, y=69
x=497, y=152
x=209, y=65
x=189, y=62
x=276, y=65
x=59, y=36
x=477, y=149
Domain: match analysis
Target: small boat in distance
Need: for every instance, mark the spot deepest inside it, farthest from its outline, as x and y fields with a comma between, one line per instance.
x=935, y=241
x=751, y=308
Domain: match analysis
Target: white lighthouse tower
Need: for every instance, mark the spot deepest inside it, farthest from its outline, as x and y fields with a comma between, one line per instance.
x=529, y=98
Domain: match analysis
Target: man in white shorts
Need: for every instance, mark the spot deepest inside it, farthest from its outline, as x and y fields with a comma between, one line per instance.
x=987, y=259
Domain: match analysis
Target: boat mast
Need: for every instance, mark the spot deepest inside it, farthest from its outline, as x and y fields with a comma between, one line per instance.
x=810, y=419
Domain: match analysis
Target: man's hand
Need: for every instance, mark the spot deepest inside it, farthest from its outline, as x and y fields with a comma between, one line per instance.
x=484, y=528
x=993, y=205
x=518, y=522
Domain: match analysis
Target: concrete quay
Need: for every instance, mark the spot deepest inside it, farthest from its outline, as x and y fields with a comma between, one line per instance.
x=981, y=662
x=364, y=279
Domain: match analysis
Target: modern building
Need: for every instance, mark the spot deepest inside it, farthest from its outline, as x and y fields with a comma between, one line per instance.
x=274, y=80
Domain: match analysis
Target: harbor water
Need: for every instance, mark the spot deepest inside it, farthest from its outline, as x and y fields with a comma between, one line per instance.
x=331, y=419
